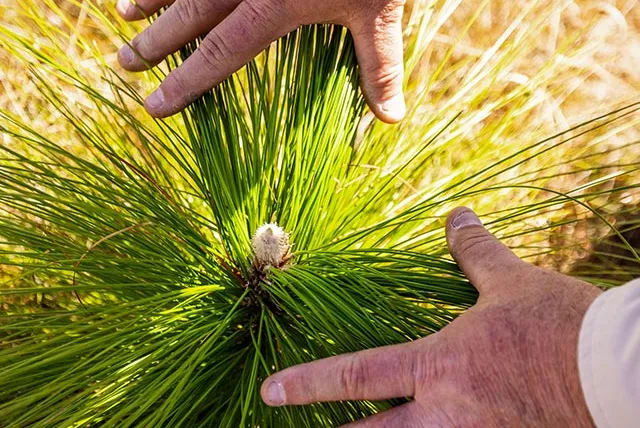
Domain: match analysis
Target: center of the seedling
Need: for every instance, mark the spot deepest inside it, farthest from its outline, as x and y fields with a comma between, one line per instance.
x=270, y=247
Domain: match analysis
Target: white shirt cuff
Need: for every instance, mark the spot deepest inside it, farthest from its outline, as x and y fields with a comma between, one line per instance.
x=609, y=357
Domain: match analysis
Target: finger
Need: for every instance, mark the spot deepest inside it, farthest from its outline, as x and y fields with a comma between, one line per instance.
x=441, y=408
x=485, y=261
x=404, y=416
x=248, y=30
x=183, y=22
x=380, y=57
x=140, y=9
x=374, y=374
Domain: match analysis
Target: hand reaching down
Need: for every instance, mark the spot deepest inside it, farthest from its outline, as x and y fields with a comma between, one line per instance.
x=238, y=30
x=511, y=360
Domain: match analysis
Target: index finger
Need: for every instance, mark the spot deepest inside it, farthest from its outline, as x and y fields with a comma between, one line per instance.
x=247, y=31
x=374, y=374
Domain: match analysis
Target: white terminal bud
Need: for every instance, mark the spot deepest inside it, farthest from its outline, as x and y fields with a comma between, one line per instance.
x=270, y=245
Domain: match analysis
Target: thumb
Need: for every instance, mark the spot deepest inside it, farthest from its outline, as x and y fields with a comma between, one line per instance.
x=380, y=57
x=486, y=262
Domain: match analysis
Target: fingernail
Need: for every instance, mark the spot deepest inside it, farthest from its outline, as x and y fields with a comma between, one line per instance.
x=275, y=395
x=123, y=7
x=156, y=99
x=126, y=55
x=394, y=108
x=464, y=219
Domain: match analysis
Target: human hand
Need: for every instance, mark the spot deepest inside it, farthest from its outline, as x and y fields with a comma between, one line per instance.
x=511, y=360
x=238, y=30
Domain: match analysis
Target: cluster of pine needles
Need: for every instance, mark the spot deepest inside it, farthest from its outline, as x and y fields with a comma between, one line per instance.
x=151, y=309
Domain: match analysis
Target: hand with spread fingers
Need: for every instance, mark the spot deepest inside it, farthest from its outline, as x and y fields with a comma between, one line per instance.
x=238, y=30
x=511, y=360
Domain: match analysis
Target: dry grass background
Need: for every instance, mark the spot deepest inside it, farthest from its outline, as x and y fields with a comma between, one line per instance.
x=601, y=69
x=606, y=73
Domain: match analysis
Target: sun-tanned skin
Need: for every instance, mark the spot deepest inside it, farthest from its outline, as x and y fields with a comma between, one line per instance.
x=238, y=30
x=511, y=359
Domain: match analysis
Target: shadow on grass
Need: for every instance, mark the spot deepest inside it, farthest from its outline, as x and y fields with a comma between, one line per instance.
x=610, y=261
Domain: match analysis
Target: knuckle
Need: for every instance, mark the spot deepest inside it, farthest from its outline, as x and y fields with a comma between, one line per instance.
x=385, y=76
x=352, y=377
x=263, y=13
x=379, y=13
x=213, y=50
x=473, y=242
x=432, y=367
x=391, y=12
x=188, y=11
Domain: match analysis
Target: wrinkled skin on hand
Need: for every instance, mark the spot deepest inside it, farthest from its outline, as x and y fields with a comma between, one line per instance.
x=510, y=361
x=238, y=30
